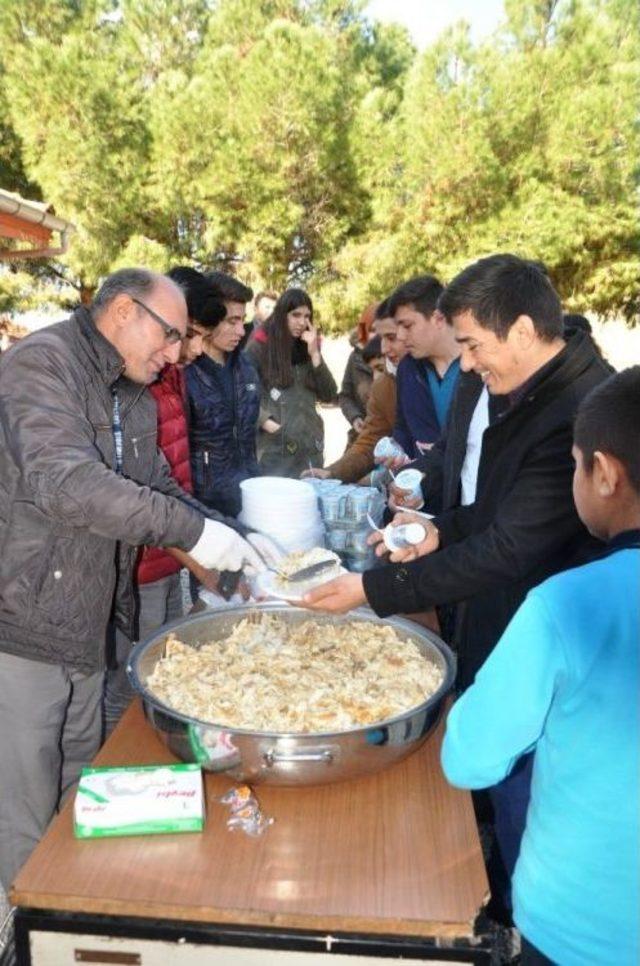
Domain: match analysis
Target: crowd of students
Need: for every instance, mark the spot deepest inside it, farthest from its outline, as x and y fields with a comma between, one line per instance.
x=479, y=382
x=547, y=718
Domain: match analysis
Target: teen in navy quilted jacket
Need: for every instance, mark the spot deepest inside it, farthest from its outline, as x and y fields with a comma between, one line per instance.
x=223, y=398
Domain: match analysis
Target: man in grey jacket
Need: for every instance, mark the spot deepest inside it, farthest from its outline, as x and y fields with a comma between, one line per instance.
x=82, y=485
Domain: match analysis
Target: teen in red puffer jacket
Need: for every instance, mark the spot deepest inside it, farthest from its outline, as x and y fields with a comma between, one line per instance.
x=173, y=439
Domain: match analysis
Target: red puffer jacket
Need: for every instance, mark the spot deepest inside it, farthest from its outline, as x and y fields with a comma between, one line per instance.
x=173, y=439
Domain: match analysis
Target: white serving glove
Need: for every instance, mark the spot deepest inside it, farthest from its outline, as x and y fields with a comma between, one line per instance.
x=221, y=548
x=268, y=550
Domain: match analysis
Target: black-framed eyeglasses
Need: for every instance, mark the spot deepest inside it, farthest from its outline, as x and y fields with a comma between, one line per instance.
x=171, y=334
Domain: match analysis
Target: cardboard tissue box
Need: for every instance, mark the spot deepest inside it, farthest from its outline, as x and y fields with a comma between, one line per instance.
x=141, y=800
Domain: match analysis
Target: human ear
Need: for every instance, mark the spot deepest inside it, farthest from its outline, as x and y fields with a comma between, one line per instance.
x=524, y=331
x=122, y=306
x=606, y=473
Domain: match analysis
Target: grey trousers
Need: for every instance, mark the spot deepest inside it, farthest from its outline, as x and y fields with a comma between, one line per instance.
x=160, y=602
x=50, y=727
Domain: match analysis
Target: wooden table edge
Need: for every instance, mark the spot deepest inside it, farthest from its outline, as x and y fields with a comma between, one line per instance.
x=174, y=913
x=81, y=905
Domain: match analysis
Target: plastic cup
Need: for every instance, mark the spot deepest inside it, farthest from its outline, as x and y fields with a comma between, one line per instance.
x=331, y=506
x=321, y=486
x=410, y=480
x=406, y=535
x=386, y=448
x=361, y=499
x=358, y=563
x=358, y=541
x=336, y=538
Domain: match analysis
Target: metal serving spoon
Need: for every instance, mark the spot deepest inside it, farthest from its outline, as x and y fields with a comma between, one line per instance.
x=308, y=572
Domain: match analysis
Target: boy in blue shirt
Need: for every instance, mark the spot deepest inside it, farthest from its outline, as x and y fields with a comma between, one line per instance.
x=563, y=681
x=427, y=376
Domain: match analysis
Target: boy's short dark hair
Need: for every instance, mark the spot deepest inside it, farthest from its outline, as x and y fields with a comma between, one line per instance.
x=576, y=323
x=608, y=420
x=228, y=288
x=422, y=292
x=498, y=289
x=382, y=309
x=373, y=349
x=202, y=304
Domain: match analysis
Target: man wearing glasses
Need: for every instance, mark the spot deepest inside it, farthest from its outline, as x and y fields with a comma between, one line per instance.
x=82, y=486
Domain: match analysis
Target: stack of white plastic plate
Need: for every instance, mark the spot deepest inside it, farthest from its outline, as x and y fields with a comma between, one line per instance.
x=286, y=510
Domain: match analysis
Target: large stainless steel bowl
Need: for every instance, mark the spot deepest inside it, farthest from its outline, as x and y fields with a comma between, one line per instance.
x=278, y=758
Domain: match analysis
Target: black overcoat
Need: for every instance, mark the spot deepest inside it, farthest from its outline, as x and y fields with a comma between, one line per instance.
x=523, y=526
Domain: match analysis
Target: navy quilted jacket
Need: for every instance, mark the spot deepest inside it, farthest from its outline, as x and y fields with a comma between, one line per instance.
x=223, y=403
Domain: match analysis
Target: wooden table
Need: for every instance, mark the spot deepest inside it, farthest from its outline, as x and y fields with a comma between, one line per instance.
x=385, y=865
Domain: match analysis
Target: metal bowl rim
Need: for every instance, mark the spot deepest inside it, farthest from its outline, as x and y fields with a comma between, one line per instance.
x=360, y=612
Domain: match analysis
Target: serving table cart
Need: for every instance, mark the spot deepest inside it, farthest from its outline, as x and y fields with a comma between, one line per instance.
x=384, y=866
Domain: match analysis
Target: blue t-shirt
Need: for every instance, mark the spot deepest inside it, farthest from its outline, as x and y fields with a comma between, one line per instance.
x=442, y=389
x=563, y=681
x=423, y=401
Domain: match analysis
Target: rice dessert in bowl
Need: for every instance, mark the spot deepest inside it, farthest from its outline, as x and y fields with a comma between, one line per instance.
x=268, y=675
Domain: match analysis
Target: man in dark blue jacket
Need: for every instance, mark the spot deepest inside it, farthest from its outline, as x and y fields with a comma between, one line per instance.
x=428, y=374
x=223, y=396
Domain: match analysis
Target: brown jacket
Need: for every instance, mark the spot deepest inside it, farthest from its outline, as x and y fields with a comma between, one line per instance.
x=379, y=422
x=70, y=524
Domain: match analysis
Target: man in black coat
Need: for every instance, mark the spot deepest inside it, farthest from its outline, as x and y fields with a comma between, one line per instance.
x=523, y=525
x=450, y=467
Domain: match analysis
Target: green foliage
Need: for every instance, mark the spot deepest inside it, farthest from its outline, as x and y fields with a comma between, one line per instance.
x=292, y=140
x=12, y=174
x=258, y=152
x=143, y=251
x=529, y=144
x=14, y=291
x=84, y=140
x=31, y=289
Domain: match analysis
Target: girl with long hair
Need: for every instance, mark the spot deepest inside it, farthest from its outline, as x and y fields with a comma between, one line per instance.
x=294, y=378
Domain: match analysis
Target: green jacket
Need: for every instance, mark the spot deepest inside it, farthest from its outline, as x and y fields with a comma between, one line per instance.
x=300, y=439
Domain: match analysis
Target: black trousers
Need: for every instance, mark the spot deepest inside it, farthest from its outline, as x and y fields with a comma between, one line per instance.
x=510, y=800
x=532, y=956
